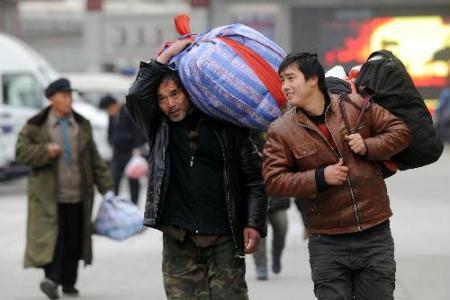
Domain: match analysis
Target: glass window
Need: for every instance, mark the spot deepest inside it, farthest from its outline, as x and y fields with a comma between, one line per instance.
x=22, y=89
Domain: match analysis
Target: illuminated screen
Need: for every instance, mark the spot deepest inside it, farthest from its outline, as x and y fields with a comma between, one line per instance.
x=419, y=37
x=416, y=41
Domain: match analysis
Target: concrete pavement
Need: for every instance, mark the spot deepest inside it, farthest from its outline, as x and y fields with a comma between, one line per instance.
x=132, y=269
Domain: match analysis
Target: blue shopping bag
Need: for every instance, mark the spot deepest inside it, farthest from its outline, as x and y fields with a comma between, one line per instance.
x=118, y=218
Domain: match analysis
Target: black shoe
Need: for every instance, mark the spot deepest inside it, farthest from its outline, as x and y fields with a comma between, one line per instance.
x=49, y=288
x=70, y=291
x=276, y=265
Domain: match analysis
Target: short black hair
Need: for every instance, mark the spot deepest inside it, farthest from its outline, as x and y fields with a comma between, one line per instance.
x=308, y=64
x=106, y=101
x=175, y=77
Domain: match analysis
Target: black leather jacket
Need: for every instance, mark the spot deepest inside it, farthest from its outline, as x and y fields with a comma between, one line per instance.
x=243, y=183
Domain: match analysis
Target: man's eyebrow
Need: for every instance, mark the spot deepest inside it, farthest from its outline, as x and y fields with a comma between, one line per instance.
x=287, y=74
x=170, y=91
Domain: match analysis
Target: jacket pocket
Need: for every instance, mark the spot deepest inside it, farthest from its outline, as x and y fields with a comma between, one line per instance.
x=306, y=150
x=305, y=156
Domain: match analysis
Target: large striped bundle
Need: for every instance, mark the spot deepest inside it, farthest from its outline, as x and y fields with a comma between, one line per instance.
x=225, y=84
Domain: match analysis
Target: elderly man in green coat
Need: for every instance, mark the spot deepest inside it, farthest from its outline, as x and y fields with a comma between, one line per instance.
x=58, y=146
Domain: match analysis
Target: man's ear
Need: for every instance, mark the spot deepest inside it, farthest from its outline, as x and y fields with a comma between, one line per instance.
x=313, y=81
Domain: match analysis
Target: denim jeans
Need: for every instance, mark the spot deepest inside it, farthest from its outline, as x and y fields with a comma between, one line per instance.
x=357, y=266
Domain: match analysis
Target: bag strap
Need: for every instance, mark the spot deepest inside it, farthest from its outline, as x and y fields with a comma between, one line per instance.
x=366, y=104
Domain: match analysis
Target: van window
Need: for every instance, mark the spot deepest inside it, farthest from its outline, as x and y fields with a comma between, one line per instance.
x=21, y=89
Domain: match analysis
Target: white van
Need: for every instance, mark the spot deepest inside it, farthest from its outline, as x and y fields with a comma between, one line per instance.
x=24, y=74
x=92, y=86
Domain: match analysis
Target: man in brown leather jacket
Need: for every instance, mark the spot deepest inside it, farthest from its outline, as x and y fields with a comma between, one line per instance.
x=310, y=154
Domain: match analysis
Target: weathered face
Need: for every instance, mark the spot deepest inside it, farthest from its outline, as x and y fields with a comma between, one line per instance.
x=294, y=86
x=172, y=100
x=62, y=103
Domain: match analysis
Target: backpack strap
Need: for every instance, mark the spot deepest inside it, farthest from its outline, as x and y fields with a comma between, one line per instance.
x=366, y=104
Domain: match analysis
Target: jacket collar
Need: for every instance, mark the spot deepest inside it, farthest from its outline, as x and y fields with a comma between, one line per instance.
x=42, y=116
x=40, y=119
x=303, y=118
x=54, y=120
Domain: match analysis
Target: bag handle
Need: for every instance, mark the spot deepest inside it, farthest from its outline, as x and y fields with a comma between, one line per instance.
x=366, y=104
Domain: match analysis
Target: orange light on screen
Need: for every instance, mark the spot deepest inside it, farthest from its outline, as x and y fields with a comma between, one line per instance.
x=414, y=40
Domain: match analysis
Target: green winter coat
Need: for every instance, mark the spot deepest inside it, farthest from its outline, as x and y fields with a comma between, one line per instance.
x=42, y=224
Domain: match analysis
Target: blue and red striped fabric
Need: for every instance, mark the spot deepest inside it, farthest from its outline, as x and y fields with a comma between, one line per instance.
x=221, y=84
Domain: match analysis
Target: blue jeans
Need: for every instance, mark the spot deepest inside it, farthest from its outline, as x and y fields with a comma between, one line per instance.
x=358, y=265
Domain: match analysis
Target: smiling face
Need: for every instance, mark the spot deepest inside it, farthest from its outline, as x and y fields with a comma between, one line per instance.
x=173, y=101
x=295, y=88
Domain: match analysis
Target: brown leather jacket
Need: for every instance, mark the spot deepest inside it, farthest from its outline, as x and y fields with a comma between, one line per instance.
x=296, y=147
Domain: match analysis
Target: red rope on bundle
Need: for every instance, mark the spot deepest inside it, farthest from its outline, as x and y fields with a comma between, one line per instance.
x=261, y=67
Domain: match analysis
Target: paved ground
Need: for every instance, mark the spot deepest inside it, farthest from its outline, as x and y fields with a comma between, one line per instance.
x=132, y=269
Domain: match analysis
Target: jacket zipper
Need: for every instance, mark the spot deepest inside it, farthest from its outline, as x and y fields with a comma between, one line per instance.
x=227, y=193
x=315, y=209
x=197, y=217
x=158, y=185
x=349, y=182
x=339, y=155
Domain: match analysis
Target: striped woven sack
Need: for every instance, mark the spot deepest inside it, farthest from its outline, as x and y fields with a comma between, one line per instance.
x=231, y=74
x=118, y=218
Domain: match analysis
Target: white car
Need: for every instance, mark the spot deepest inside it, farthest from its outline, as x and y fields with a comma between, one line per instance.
x=24, y=74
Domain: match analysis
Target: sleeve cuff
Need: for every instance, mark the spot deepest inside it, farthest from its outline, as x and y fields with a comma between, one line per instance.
x=321, y=184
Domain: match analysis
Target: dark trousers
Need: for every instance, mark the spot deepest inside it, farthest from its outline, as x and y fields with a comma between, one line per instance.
x=64, y=267
x=118, y=165
x=354, y=266
x=279, y=222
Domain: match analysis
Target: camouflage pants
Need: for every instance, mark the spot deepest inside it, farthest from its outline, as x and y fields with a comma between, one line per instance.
x=203, y=267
